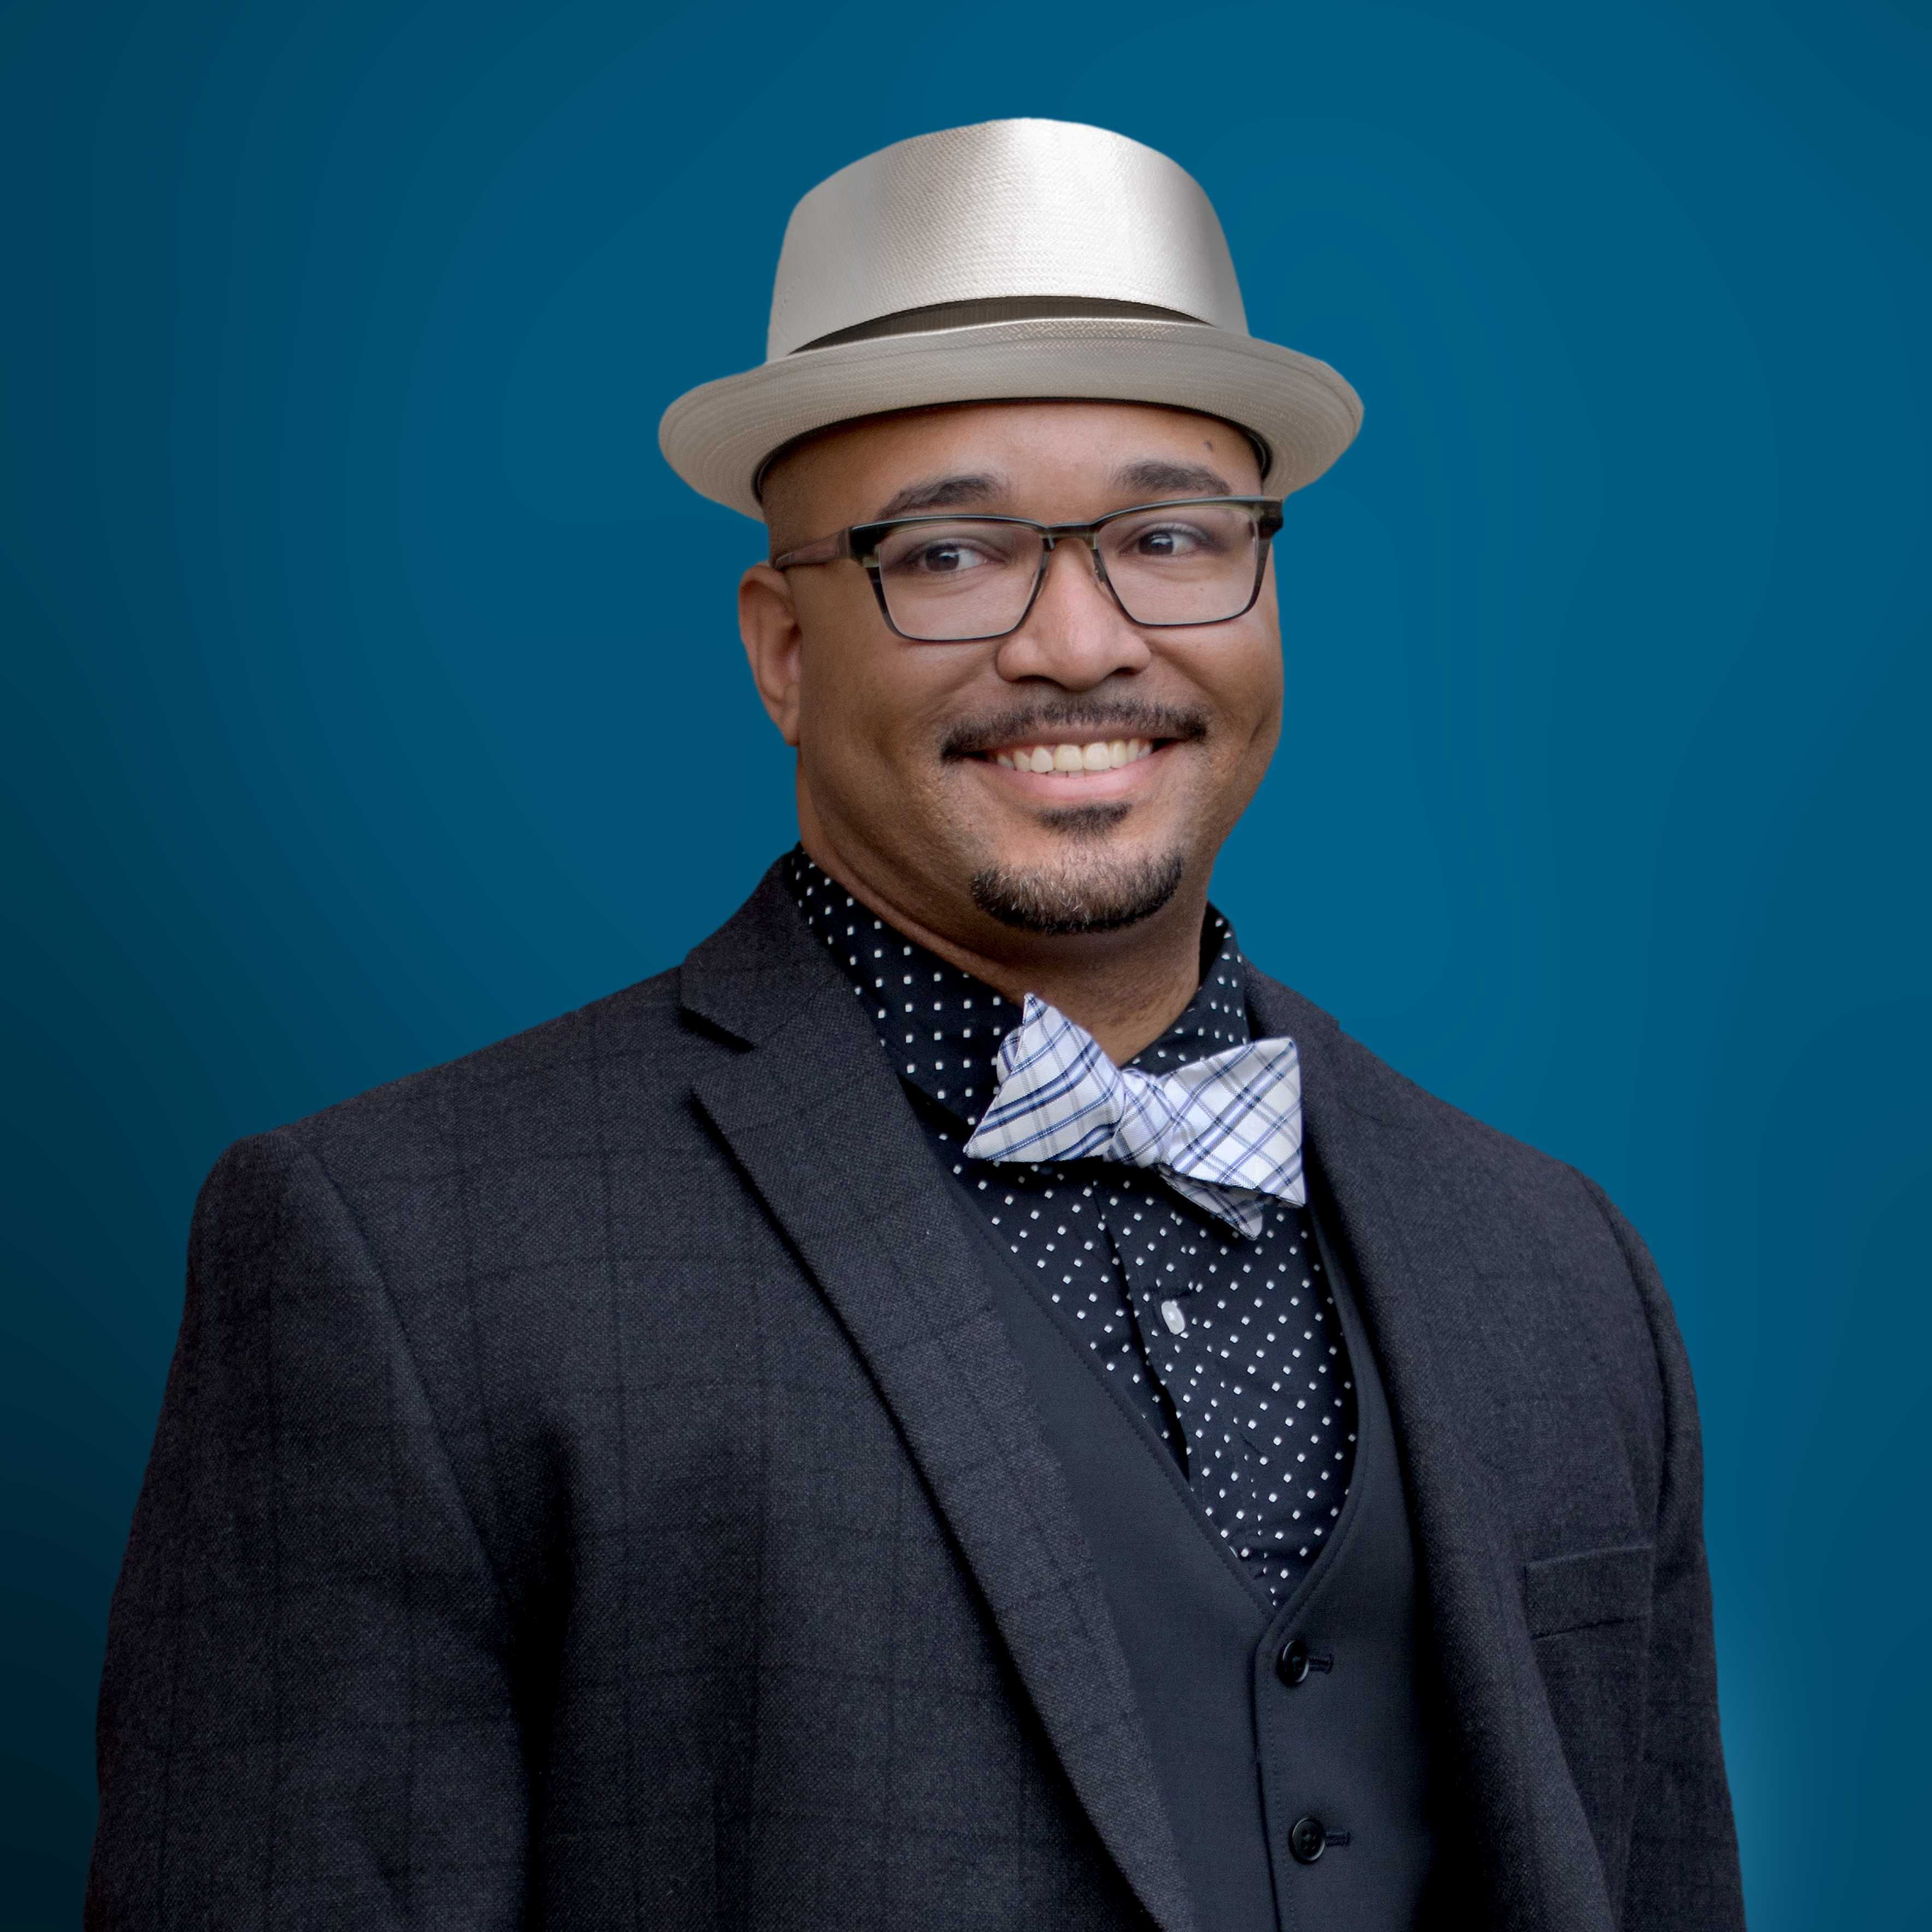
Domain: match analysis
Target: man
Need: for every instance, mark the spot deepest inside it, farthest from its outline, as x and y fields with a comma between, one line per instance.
x=966, y=1405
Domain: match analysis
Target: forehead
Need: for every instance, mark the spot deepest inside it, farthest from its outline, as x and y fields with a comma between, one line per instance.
x=1038, y=458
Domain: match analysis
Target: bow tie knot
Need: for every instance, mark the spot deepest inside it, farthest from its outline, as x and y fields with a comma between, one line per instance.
x=1225, y=1131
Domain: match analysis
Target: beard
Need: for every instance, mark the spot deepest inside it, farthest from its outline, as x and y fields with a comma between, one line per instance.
x=1089, y=891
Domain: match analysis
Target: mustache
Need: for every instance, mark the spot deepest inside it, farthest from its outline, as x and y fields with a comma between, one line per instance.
x=1072, y=720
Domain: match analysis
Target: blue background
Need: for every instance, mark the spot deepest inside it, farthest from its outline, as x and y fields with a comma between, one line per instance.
x=374, y=690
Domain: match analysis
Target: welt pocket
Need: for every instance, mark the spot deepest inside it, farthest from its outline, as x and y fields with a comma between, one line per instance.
x=1593, y=1586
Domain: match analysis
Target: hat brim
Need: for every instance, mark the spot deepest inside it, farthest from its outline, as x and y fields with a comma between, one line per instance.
x=718, y=436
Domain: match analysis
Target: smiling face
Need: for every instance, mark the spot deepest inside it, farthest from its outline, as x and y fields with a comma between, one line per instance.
x=1064, y=786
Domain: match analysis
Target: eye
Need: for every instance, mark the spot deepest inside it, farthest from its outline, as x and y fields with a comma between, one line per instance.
x=949, y=557
x=1162, y=540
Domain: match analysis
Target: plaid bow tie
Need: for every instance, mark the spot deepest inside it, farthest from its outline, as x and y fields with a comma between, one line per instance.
x=1225, y=1131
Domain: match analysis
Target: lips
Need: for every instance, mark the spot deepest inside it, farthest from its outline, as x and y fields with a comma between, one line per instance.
x=1105, y=754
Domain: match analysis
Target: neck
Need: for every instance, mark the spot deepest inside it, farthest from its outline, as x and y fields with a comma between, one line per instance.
x=1126, y=988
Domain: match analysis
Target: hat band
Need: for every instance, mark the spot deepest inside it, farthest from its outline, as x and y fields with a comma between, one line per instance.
x=993, y=308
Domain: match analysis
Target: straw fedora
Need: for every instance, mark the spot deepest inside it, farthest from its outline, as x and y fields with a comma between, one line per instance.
x=1009, y=260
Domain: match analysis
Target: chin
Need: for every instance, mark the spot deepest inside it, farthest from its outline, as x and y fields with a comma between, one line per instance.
x=1082, y=890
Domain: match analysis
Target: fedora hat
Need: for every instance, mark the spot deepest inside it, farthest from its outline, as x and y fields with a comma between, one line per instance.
x=1009, y=261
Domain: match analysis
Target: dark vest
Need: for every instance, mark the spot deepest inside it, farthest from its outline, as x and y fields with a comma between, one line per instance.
x=1289, y=1744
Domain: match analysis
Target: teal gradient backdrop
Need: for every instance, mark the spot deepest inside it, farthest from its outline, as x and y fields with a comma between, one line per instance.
x=374, y=690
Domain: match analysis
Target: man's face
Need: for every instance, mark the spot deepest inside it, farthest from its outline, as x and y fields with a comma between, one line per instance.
x=911, y=782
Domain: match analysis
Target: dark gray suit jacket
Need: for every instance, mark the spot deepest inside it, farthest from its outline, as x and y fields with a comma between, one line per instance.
x=594, y=1489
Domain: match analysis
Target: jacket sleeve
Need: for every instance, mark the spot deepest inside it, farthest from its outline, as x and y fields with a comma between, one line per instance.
x=306, y=1716
x=1683, y=1874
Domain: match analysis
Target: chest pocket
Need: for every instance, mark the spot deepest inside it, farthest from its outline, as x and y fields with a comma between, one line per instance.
x=1591, y=1587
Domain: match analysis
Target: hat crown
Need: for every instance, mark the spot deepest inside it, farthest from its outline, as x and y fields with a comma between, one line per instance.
x=1004, y=210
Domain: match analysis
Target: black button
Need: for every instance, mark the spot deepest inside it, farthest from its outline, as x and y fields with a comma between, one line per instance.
x=1306, y=1839
x=1292, y=1666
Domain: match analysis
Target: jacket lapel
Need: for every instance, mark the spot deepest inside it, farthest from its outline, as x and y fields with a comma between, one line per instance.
x=1400, y=1212
x=816, y=1119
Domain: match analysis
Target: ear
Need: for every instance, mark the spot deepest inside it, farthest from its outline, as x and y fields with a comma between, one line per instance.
x=768, y=623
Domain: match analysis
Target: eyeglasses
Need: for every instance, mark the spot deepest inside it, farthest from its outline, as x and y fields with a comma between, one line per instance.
x=955, y=580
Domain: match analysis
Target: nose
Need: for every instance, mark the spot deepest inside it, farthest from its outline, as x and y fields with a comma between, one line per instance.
x=1075, y=635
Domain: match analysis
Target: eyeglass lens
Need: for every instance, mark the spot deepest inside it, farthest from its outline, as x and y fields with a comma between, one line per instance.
x=1193, y=563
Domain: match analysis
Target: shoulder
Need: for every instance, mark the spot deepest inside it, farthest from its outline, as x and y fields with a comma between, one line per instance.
x=1501, y=1232
x=540, y=1068
x=488, y=1193
x=1492, y=1236
x=526, y=1145
x=1370, y=1107
x=550, y=1093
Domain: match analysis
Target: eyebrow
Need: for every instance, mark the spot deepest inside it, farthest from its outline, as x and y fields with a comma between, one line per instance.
x=940, y=493
x=1150, y=477
x=1155, y=479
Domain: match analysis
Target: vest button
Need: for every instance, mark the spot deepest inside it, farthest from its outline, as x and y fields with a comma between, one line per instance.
x=1306, y=1838
x=1292, y=1666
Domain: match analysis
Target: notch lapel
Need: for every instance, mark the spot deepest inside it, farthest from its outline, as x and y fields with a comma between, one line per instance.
x=1400, y=1212
x=816, y=1118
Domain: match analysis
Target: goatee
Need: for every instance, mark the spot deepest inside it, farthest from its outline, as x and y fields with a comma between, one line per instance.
x=1090, y=893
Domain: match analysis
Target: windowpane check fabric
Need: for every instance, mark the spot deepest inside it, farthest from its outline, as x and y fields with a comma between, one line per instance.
x=1227, y=1343
x=1222, y=1131
x=592, y=1492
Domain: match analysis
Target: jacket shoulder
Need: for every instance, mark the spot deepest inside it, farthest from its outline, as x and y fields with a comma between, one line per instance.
x=1495, y=1168
x=533, y=1080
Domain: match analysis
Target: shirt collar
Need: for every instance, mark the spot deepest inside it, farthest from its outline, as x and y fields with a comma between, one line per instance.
x=942, y=1028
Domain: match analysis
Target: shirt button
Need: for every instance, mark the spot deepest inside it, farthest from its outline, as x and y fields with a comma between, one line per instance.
x=1177, y=1322
x=1306, y=1839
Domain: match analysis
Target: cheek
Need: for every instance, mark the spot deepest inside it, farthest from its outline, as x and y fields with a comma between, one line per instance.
x=863, y=703
x=864, y=691
x=1243, y=691
x=1269, y=693
x=1258, y=674
x=839, y=671
x=1264, y=672
x=832, y=703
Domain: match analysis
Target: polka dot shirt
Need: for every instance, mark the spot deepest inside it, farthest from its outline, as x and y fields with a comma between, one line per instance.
x=1231, y=1349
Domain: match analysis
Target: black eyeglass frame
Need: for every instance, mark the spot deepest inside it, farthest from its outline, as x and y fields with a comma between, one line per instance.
x=861, y=543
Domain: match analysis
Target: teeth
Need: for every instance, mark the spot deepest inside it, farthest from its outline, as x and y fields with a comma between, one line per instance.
x=1102, y=755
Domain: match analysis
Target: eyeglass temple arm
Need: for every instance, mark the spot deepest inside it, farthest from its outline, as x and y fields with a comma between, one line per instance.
x=826, y=550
